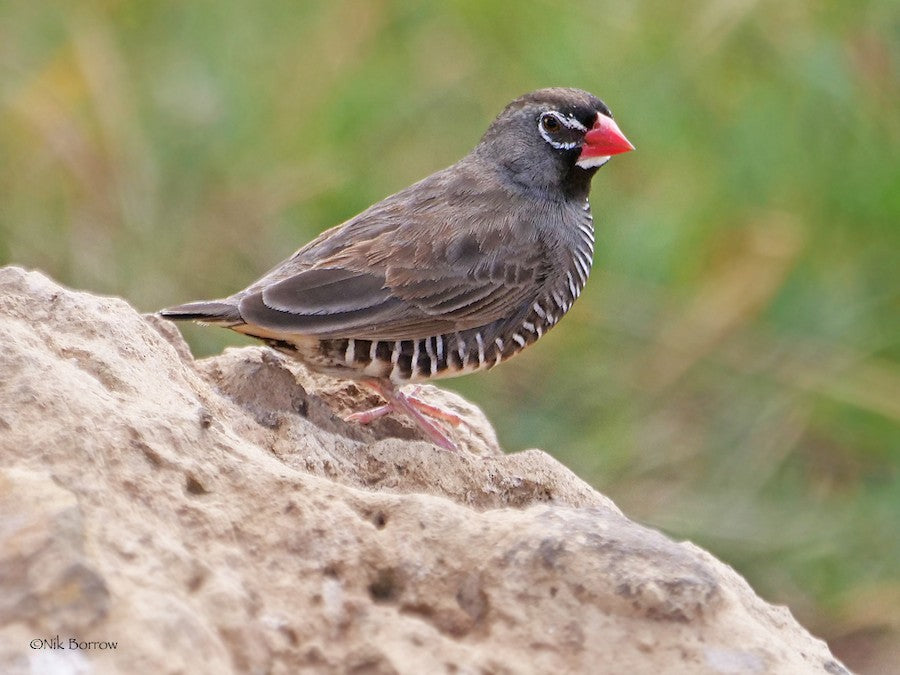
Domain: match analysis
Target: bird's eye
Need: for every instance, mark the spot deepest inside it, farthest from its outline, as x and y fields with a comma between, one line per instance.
x=550, y=123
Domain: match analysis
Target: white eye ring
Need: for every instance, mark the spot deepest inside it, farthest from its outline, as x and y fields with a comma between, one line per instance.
x=567, y=121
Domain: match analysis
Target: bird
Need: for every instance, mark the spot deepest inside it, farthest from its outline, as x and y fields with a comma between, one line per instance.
x=452, y=275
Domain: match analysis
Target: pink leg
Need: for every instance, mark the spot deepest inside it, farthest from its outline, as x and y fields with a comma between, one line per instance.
x=397, y=400
x=433, y=410
x=370, y=415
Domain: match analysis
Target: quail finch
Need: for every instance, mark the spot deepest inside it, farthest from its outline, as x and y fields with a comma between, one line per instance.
x=449, y=276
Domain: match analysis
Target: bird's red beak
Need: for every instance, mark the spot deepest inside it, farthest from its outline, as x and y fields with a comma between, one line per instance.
x=601, y=141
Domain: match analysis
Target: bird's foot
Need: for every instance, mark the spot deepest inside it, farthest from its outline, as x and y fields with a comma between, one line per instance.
x=415, y=408
x=370, y=415
x=432, y=410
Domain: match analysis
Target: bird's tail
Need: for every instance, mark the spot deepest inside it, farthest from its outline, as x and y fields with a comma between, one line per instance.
x=216, y=312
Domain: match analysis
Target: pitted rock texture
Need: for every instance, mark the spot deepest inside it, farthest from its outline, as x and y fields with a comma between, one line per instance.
x=220, y=516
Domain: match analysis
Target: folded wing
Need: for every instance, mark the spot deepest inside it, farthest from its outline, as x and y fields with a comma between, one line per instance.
x=423, y=288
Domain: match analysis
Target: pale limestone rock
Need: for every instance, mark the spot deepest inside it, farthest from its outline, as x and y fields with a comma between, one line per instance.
x=219, y=517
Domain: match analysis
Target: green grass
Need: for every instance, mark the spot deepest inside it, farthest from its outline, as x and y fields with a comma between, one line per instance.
x=732, y=372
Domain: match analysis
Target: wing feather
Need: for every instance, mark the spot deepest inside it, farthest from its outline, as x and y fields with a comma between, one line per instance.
x=404, y=270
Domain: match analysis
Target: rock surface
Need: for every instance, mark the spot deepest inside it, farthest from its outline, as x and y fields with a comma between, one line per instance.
x=218, y=516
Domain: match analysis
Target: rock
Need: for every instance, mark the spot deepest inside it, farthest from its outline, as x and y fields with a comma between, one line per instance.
x=164, y=515
x=44, y=574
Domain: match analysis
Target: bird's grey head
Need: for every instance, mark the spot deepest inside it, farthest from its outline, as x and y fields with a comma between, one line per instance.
x=552, y=141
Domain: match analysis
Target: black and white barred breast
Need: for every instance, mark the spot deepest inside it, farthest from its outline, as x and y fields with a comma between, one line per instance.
x=459, y=352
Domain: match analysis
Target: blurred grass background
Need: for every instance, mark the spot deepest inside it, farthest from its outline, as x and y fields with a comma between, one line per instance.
x=732, y=372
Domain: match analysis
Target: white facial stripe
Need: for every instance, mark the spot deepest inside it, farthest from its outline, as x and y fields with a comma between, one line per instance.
x=573, y=123
x=592, y=162
x=557, y=144
x=563, y=146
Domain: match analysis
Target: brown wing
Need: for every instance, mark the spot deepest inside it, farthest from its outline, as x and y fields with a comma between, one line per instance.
x=394, y=286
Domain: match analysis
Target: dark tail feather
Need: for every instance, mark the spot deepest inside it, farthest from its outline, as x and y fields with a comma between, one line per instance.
x=211, y=311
